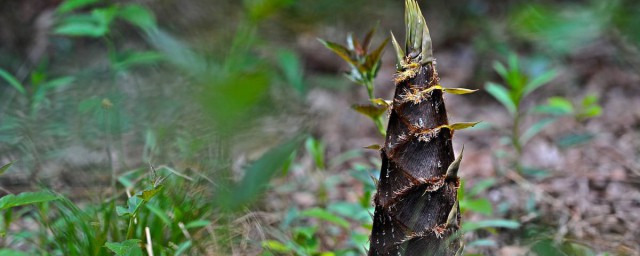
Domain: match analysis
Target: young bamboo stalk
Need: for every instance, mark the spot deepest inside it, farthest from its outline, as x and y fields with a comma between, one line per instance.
x=416, y=208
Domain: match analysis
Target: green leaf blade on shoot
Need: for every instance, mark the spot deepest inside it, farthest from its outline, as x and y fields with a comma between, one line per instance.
x=535, y=129
x=13, y=81
x=26, y=198
x=341, y=51
x=80, y=25
x=374, y=147
x=458, y=91
x=373, y=59
x=462, y=125
x=146, y=195
x=502, y=71
x=539, y=81
x=370, y=110
x=502, y=95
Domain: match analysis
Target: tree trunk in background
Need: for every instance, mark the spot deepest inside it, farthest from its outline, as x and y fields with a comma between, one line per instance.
x=416, y=209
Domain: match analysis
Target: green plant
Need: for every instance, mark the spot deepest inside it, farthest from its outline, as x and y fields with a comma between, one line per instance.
x=344, y=224
x=364, y=69
x=521, y=85
x=470, y=201
x=511, y=97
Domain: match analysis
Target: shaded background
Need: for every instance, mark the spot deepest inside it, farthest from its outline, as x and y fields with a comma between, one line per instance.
x=216, y=84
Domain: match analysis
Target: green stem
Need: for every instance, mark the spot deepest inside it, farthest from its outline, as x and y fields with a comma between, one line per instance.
x=378, y=120
x=515, y=139
x=131, y=227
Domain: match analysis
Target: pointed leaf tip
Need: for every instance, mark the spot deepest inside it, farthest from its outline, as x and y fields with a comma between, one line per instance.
x=463, y=125
x=399, y=51
x=452, y=170
x=418, y=44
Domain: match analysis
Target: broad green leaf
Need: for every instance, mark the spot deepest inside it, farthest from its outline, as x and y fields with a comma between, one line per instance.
x=198, y=224
x=70, y=5
x=482, y=206
x=458, y=91
x=258, y=175
x=497, y=223
x=121, y=211
x=5, y=167
x=370, y=110
x=276, y=246
x=146, y=195
x=12, y=81
x=340, y=50
x=25, y=198
x=461, y=126
x=129, y=247
x=325, y=215
x=9, y=252
x=539, y=81
x=535, y=129
x=138, y=15
x=80, y=25
x=502, y=95
x=133, y=204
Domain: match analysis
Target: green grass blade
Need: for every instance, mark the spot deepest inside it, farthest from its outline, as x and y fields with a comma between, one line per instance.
x=13, y=81
x=25, y=198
